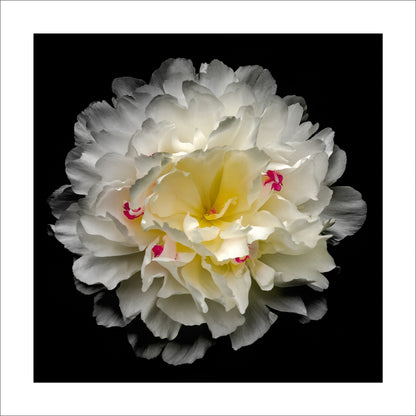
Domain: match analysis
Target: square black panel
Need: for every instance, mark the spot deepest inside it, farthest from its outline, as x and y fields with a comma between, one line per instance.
x=340, y=76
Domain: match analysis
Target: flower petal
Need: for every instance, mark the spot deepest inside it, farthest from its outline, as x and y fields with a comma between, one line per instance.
x=106, y=310
x=262, y=274
x=283, y=302
x=103, y=247
x=80, y=172
x=348, y=210
x=216, y=76
x=336, y=167
x=109, y=271
x=261, y=81
x=258, y=321
x=171, y=74
x=187, y=314
x=61, y=199
x=220, y=321
x=65, y=230
x=177, y=354
x=199, y=283
x=175, y=194
x=115, y=167
x=302, y=269
x=125, y=86
x=134, y=301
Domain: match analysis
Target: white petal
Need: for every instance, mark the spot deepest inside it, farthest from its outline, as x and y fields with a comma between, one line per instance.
x=295, y=99
x=171, y=287
x=151, y=269
x=171, y=75
x=199, y=283
x=316, y=309
x=261, y=81
x=204, y=112
x=103, y=247
x=306, y=268
x=336, y=167
x=240, y=287
x=258, y=321
x=304, y=182
x=216, y=77
x=239, y=133
x=165, y=108
x=197, y=234
x=147, y=351
x=61, y=199
x=192, y=90
x=113, y=141
x=348, y=210
x=104, y=227
x=143, y=186
x=272, y=124
x=181, y=308
x=295, y=130
x=126, y=86
x=134, y=301
x=88, y=289
x=148, y=140
x=285, y=303
x=262, y=224
x=80, y=172
x=177, y=354
x=262, y=274
x=221, y=322
x=129, y=294
x=237, y=95
x=65, y=230
x=108, y=271
x=175, y=194
x=313, y=208
x=113, y=166
x=231, y=248
x=106, y=312
x=326, y=136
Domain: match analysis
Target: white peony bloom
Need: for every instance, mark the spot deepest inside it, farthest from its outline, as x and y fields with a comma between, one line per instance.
x=195, y=200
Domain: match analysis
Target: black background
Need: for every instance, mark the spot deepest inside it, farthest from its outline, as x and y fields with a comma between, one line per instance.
x=340, y=76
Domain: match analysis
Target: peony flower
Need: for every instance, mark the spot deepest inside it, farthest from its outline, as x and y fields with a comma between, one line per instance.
x=196, y=201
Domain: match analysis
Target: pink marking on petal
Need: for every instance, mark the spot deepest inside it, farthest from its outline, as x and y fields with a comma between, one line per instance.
x=276, y=179
x=130, y=213
x=157, y=250
x=241, y=259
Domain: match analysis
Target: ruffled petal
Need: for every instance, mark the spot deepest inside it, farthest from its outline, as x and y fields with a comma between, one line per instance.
x=220, y=321
x=302, y=269
x=200, y=283
x=134, y=301
x=106, y=311
x=61, y=200
x=109, y=271
x=177, y=354
x=260, y=80
x=171, y=75
x=258, y=320
x=100, y=246
x=336, y=167
x=125, y=86
x=349, y=211
x=65, y=230
x=216, y=76
x=187, y=314
x=262, y=274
